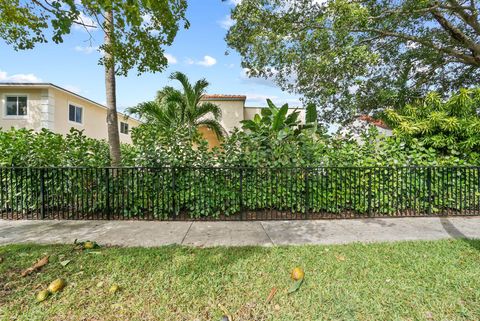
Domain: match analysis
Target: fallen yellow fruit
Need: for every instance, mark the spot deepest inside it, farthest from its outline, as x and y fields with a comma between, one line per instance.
x=42, y=295
x=114, y=289
x=297, y=274
x=89, y=245
x=56, y=285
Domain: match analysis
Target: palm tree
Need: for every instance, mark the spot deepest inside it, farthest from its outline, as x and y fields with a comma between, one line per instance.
x=174, y=109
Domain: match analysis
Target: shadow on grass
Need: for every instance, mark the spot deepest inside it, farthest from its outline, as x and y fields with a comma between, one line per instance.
x=454, y=232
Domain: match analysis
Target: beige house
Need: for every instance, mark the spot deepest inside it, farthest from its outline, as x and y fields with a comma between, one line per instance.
x=233, y=112
x=44, y=105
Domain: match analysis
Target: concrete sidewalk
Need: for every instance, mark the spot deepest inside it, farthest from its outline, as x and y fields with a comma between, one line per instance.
x=266, y=233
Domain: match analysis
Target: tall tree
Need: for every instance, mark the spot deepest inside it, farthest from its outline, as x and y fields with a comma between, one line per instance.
x=135, y=33
x=357, y=56
x=174, y=109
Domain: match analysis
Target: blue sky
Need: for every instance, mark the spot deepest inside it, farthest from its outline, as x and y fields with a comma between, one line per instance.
x=198, y=52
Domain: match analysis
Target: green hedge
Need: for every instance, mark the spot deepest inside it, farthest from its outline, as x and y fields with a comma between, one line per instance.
x=162, y=193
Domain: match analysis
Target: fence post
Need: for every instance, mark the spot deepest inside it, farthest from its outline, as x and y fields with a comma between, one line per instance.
x=107, y=195
x=42, y=193
x=306, y=173
x=370, y=193
x=242, y=210
x=478, y=188
x=173, y=194
x=429, y=190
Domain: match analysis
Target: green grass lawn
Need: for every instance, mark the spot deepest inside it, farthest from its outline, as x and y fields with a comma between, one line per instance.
x=437, y=280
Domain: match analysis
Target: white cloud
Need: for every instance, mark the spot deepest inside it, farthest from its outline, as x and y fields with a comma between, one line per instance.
x=4, y=76
x=90, y=24
x=226, y=22
x=207, y=61
x=87, y=49
x=171, y=58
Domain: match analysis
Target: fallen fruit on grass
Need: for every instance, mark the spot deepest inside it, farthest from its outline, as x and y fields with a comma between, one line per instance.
x=56, y=285
x=297, y=274
x=42, y=295
x=114, y=289
x=89, y=245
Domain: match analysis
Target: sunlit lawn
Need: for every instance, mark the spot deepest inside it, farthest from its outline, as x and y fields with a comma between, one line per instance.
x=399, y=281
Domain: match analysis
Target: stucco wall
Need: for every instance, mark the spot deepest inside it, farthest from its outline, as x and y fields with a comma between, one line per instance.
x=33, y=119
x=210, y=136
x=232, y=112
x=48, y=108
x=94, y=117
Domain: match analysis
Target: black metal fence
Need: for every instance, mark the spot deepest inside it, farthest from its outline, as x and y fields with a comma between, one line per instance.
x=237, y=193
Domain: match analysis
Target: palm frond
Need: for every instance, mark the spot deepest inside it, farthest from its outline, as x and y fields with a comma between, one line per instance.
x=188, y=92
x=149, y=111
x=199, y=89
x=207, y=108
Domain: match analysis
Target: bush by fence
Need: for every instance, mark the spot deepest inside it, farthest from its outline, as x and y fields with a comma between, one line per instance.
x=237, y=193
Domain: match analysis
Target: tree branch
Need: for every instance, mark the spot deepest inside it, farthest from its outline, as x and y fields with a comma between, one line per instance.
x=467, y=59
x=457, y=34
x=56, y=12
x=470, y=19
x=399, y=11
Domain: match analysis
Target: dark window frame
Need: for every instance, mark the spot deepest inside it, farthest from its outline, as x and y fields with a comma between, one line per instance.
x=124, y=128
x=17, y=105
x=76, y=116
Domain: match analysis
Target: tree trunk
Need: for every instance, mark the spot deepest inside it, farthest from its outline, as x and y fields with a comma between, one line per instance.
x=112, y=118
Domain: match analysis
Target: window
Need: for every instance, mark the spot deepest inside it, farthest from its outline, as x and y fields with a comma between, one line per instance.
x=124, y=128
x=16, y=105
x=75, y=113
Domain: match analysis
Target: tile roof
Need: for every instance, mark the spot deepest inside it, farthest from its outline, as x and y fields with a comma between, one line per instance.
x=224, y=97
x=377, y=122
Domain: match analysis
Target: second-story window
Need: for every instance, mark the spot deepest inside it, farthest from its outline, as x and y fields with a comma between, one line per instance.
x=123, y=128
x=16, y=105
x=75, y=114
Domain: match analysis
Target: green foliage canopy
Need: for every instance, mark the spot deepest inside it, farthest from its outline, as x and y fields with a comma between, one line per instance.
x=351, y=57
x=141, y=28
x=451, y=126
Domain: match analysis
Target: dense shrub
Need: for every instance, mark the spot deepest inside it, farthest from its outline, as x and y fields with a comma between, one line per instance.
x=450, y=126
x=27, y=148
